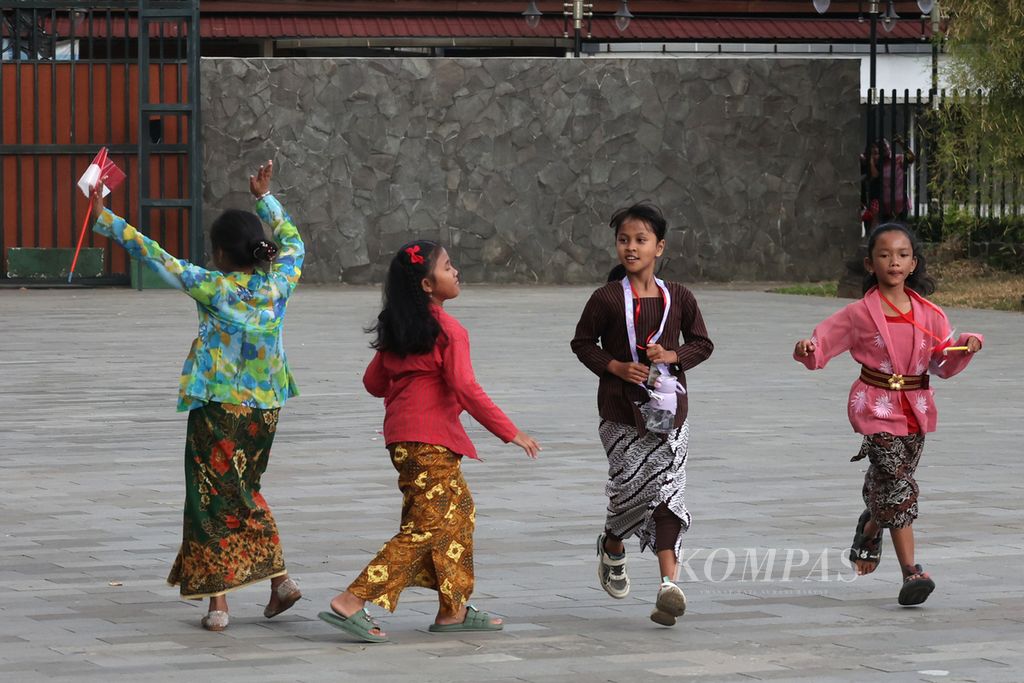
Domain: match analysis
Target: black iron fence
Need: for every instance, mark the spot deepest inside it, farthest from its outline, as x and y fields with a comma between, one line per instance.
x=73, y=81
x=904, y=176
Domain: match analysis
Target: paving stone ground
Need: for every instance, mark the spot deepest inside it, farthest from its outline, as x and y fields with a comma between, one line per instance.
x=91, y=490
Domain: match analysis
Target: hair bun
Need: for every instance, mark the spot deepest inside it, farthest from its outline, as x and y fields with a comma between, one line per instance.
x=264, y=251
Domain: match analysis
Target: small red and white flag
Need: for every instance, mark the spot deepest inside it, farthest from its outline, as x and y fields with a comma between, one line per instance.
x=105, y=173
x=102, y=171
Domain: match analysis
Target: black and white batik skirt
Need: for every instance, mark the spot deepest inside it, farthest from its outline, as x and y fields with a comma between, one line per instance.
x=644, y=472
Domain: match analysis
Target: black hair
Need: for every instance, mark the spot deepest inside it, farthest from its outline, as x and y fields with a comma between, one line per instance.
x=641, y=211
x=405, y=325
x=239, y=234
x=919, y=280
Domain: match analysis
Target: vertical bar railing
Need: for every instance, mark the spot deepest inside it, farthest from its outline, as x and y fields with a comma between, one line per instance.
x=183, y=16
x=68, y=72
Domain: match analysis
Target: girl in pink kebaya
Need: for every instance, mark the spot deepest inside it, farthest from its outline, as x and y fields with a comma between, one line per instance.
x=900, y=339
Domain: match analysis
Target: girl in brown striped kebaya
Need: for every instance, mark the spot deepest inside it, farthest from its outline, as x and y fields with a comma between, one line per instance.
x=640, y=335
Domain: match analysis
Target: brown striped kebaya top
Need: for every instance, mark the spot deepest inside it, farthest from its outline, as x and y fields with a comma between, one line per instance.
x=601, y=337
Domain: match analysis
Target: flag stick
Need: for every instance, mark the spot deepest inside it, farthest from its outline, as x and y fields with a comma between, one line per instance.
x=81, y=238
x=954, y=348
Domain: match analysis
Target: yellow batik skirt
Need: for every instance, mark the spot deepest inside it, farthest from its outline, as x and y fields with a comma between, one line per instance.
x=229, y=536
x=434, y=546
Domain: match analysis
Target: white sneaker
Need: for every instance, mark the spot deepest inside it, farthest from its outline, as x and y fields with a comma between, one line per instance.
x=611, y=572
x=670, y=605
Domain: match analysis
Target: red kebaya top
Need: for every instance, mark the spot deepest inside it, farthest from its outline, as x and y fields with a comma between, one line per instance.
x=424, y=394
x=902, y=332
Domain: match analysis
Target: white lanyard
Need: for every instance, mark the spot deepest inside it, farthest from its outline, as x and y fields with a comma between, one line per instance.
x=627, y=294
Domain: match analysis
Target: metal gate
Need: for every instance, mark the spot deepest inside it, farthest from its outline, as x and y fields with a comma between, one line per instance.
x=75, y=77
x=935, y=193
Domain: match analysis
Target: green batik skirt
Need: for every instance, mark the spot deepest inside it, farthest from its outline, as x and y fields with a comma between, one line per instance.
x=229, y=536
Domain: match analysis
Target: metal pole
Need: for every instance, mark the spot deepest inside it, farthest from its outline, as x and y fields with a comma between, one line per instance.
x=871, y=78
x=577, y=27
x=935, y=48
x=195, y=131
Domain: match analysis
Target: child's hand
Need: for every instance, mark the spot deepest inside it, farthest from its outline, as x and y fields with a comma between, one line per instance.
x=259, y=184
x=96, y=198
x=656, y=353
x=634, y=373
x=973, y=345
x=804, y=347
x=527, y=443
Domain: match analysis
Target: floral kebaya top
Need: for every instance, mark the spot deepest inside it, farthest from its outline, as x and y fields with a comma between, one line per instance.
x=238, y=356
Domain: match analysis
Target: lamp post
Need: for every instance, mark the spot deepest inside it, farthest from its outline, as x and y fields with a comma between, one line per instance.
x=576, y=11
x=849, y=284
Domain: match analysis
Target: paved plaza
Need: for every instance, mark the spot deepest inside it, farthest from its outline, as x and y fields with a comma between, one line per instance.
x=91, y=492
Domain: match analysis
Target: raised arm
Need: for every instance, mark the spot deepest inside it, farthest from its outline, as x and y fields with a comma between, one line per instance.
x=199, y=283
x=288, y=263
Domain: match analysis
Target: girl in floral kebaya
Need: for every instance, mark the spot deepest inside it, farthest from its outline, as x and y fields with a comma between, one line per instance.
x=233, y=384
x=423, y=372
x=898, y=337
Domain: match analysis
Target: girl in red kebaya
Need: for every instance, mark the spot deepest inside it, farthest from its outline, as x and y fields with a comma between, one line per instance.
x=423, y=372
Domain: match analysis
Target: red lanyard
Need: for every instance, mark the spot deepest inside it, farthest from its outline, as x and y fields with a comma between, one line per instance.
x=636, y=314
x=943, y=343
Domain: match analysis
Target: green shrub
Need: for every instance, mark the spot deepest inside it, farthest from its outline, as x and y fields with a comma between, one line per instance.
x=962, y=224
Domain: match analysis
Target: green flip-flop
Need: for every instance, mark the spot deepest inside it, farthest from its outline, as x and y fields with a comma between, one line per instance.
x=358, y=625
x=475, y=621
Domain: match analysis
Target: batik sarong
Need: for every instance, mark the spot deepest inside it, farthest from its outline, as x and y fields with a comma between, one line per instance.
x=434, y=545
x=644, y=472
x=229, y=535
x=890, y=490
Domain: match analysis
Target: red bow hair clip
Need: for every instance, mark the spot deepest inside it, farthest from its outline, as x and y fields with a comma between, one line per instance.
x=414, y=254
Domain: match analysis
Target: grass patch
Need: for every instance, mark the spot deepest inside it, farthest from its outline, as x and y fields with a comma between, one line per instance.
x=809, y=289
x=970, y=283
x=964, y=283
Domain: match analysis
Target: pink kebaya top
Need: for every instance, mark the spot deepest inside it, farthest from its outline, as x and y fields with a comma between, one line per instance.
x=861, y=329
x=424, y=394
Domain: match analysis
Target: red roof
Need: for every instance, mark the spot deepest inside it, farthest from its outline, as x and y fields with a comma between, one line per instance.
x=642, y=28
x=690, y=29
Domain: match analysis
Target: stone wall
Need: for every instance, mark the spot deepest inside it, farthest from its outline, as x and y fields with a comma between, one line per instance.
x=517, y=164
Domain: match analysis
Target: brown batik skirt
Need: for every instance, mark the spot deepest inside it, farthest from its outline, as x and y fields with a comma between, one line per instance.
x=434, y=545
x=229, y=537
x=890, y=490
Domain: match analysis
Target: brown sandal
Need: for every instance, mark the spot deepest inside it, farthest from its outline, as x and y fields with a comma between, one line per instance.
x=917, y=586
